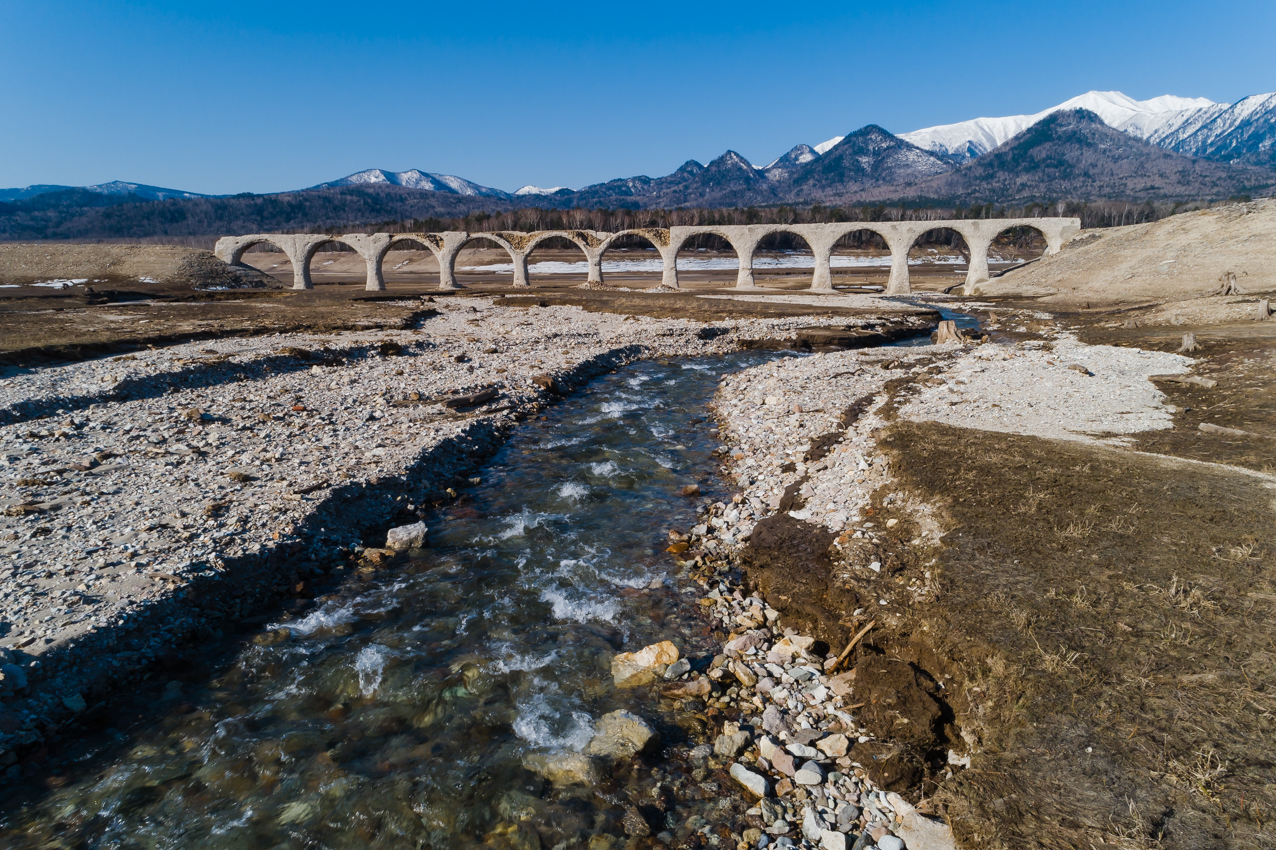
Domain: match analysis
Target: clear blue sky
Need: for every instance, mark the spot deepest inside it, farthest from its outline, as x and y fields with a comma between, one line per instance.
x=233, y=96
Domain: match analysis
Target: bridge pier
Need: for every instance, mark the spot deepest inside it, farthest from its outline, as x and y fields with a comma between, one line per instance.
x=669, y=270
x=520, y=269
x=744, y=250
x=595, y=260
x=453, y=242
x=978, y=267
x=373, y=248
x=821, y=240
x=899, y=283
x=301, y=251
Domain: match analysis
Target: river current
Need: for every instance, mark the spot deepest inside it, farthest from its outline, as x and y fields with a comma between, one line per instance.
x=398, y=711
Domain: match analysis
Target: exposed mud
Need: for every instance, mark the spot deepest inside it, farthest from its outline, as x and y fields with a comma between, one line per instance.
x=41, y=325
x=1107, y=619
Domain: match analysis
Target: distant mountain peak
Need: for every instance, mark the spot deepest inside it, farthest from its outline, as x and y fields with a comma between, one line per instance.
x=414, y=179
x=537, y=190
x=967, y=139
x=1076, y=154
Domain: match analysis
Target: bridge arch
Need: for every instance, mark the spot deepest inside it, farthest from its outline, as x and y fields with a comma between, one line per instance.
x=657, y=238
x=236, y=254
x=586, y=241
x=966, y=242
x=736, y=238
x=862, y=237
x=447, y=261
x=1025, y=237
x=381, y=248
x=781, y=237
x=308, y=248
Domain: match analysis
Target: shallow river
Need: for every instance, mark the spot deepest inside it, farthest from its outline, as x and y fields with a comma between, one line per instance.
x=398, y=711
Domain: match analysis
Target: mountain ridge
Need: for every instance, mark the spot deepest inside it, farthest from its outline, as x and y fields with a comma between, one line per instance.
x=1077, y=155
x=1242, y=133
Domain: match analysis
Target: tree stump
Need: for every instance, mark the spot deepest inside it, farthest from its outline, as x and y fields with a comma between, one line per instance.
x=1264, y=310
x=947, y=332
x=1189, y=344
x=1227, y=285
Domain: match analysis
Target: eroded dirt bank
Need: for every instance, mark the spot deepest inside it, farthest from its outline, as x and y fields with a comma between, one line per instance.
x=1067, y=626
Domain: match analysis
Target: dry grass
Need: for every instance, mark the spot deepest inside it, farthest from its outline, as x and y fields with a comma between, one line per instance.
x=1202, y=774
x=1190, y=598
x=1078, y=529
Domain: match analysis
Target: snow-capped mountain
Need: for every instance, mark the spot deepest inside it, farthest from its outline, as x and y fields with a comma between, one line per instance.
x=115, y=187
x=1231, y=132
x=782, y=167
x=1244, y=131
x=1140, y=118
x=415, y=179
x=537, y=190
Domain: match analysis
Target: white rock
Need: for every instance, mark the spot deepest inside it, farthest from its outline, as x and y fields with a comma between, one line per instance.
x=630, y=669
x=833, y=746
x=564, y=768
x=753, y=782
x=812, y=825
x=920, y=833
x=832, y=840
x=767, y=747
x=620, y=734
x=890, y=842
x=406, y=537
x=809, y=774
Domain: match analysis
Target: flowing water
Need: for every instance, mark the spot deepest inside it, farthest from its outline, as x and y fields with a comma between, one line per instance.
x=398, y=712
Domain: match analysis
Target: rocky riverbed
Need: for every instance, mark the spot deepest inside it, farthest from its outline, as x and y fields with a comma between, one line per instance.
x=841, y=744
x=149, y=498
x=152, y=499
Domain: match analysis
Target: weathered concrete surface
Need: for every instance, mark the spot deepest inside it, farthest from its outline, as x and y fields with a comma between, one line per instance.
x=900, y=237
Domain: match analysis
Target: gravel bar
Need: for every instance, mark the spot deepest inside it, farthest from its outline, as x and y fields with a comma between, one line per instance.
x=148, y=498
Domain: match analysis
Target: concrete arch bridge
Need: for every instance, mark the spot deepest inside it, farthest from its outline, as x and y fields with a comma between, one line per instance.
x=900, y=237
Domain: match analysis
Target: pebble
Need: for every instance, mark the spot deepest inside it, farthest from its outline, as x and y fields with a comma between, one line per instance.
x=755, y=783
x=809, y=773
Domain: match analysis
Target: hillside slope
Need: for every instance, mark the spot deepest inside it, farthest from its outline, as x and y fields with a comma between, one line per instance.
x=1178, y=259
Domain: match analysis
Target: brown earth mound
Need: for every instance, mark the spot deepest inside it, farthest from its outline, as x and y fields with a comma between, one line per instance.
x=1178, y=258
x=32, y=262
x=1106, y=621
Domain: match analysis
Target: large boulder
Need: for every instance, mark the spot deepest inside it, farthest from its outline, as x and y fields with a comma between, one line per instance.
x=563, y=769
x=406, y=537
x=620, y=735
x=631, y=669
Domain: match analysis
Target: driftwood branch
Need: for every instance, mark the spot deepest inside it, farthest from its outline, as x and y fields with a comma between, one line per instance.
x=858, y=637
x=472, y=400
x=1231, y=432
x=1208, y=383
